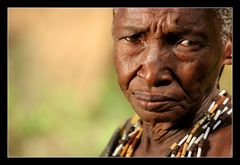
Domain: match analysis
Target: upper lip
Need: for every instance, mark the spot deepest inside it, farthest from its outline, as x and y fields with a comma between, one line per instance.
x=153, y=97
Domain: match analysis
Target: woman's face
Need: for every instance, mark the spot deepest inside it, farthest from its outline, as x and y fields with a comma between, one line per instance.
x=167, y=60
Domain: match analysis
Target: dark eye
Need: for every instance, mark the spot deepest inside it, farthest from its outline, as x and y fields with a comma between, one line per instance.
x=135, y=38
x=187, y=43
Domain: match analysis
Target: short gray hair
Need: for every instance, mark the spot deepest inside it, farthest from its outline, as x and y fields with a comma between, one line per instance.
x=225, y=17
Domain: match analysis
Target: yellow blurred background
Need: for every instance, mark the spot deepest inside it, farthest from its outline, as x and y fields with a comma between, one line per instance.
x=63, y=96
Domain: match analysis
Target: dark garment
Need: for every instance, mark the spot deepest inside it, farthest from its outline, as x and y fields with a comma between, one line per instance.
x=117, y=135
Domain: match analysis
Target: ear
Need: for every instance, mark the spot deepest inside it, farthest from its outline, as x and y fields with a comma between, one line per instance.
x=227, y=52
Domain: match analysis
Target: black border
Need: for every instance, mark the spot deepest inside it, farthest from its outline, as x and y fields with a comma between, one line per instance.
x=236, y=89
x=122, y=3
x=3, y=73
x=4, y=4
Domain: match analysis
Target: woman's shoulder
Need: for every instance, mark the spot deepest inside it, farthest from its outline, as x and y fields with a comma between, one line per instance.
x=118, y=133
x=220, y=141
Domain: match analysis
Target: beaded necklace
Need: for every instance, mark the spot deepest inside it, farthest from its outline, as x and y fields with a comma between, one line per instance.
x=191, y=144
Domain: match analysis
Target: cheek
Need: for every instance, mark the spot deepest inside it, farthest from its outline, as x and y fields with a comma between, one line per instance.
x=198, y=75
x=191, y=73
x=125, y=65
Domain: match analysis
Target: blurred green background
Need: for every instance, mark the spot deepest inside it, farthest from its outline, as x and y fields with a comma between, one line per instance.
x=63, y=96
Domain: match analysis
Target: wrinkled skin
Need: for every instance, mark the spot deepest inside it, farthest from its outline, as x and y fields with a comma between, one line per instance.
x=167, y=61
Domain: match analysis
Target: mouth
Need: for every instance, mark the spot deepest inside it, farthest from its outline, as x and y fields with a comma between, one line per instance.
x=154, y=102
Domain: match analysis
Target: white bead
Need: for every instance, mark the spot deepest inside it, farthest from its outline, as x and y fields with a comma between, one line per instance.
x=217, y=124
x=199, y=151
x=189, y=154
x=172, y=155
x=198, y=139
x=211, y=106
x=206, y=133
x=183, y=140
x=224, y=110
x=221, y=93
x=229, y=112
x=189, y=138
x=124, y=136
x=202, y=120
x=117, y=150
x=225, y=101
x=217, y=115
x=191, y=142
x=132, y=133
x=205, y=126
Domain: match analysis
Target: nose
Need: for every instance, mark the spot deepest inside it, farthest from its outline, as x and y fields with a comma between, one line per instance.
x=156, y=70
x=155, y=75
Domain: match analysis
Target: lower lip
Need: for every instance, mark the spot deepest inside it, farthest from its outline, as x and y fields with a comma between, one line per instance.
x=154, y=106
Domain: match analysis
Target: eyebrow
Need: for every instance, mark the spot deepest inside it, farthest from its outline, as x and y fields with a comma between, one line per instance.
x=129, y=29
x=126, y=30
x=185, y=30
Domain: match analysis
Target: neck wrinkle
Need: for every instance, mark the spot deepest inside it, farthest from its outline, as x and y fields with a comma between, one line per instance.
x=206, y=102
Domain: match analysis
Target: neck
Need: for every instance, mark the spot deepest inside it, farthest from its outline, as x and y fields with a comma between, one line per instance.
x=155, y=135
x=206, y=102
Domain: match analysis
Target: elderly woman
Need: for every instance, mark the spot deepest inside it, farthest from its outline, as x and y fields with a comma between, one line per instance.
x=169, y=61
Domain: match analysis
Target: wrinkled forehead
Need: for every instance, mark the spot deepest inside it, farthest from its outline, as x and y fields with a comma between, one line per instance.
x=155, y=13
x=173, y=16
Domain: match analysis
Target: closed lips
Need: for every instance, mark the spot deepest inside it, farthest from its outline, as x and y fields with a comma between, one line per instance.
x=153, y=102
x=152, y=97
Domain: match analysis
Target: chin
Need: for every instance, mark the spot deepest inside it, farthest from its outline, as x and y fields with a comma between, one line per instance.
x=170, y=115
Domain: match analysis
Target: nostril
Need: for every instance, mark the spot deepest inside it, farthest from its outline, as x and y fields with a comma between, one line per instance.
x=162, y=83
x=155, y=75
x=163, y=78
